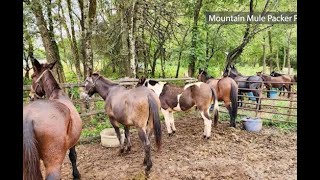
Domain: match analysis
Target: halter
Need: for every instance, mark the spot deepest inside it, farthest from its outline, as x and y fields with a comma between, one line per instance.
x=94, y=83
x=201, y=72
x=37, y=82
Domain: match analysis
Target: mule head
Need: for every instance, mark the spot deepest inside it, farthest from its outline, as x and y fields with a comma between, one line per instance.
x=40, y=70
x=259, y=73
x=90, y=84
x=272, y=73
x=141, y=81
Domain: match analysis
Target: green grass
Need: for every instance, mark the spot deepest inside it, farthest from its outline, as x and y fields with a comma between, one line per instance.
x=93, y=126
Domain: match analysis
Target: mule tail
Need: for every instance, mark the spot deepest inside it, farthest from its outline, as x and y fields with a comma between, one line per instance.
x=31, y=159
x=234, y=103
x=154, y=111
x=215, y=107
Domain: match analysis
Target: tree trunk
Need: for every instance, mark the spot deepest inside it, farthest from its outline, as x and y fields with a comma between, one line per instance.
x=284, y=58
x=90, y=9
x=29, y=56
x=61, y=36
x=207, y=50
x=264, y=55
x=162, y=57
x=277, y=61
x=83, y=37
x=154, y=63
x=178, y=67
x=181, y=49
x=288, y=53
x=73, y=42
x=132, y=41
x=64, y=24
x=49, y=43
x=144, y=45
x=270, y=52
x=193, y=57
x=124, y=52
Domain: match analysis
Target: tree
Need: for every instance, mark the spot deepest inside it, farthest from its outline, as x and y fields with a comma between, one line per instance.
x=250, y=32
x=193, y=57
x=47, y=35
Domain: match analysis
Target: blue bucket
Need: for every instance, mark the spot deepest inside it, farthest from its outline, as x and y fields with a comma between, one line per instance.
x=251, y=96
x=273, y=94
x=252, y=124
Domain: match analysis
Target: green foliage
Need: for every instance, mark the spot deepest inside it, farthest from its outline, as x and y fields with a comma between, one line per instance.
x=95, y=126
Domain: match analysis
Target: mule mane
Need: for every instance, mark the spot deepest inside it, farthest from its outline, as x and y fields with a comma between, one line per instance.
x=104, y=80
x=49, y=83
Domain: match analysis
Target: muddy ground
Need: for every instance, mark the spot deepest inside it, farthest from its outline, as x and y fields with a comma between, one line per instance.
x=230, y=154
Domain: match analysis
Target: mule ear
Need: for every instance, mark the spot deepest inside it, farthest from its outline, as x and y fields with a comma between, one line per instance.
x=51, y=65
x=36, y=65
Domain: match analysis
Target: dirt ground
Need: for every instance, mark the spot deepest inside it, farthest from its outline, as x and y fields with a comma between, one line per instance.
x=231, y=153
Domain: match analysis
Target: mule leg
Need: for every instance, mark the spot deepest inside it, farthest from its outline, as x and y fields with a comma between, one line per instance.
x=73, y=159
x=289, y=91
x=167, y=120
x=127, y=134
x=53, y=165
x=256, y=94
x=146, y=143
x=268, y=92
x=207, y=124
x=240, y=98
x=173, y=127
x=281, y=89
x=228, y=106
x=115, y=125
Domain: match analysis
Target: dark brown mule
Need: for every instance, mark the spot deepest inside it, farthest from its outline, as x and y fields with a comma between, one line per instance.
x=50, y=127
x=175, y=98
x=276, y=82
x=137, y=107
x=227, y=91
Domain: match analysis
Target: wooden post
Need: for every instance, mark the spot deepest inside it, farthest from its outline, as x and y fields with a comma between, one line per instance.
x=290, y=105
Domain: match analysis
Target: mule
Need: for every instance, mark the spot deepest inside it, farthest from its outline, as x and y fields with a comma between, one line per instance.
x=51, y=127
x=244, y=82
x=281, y=82
x=174, y=98
x=293, y=78
x=137, y=107
x=227, y=91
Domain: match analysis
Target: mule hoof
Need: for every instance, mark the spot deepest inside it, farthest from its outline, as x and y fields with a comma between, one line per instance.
x=204, y=136
x=147, y=172
x=148, y=168
x=170, y=134
x=173, y=132
x=128, y=149
x=233, y=125
x=76, y=176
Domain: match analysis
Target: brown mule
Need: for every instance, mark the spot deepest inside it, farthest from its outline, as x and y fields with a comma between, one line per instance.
x=137, y=107
x=174, y=98
x=227, y=91
x=50, y=127
x=276, y=82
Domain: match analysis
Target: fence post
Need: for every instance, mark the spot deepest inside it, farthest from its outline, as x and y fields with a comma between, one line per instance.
x=290, y=105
